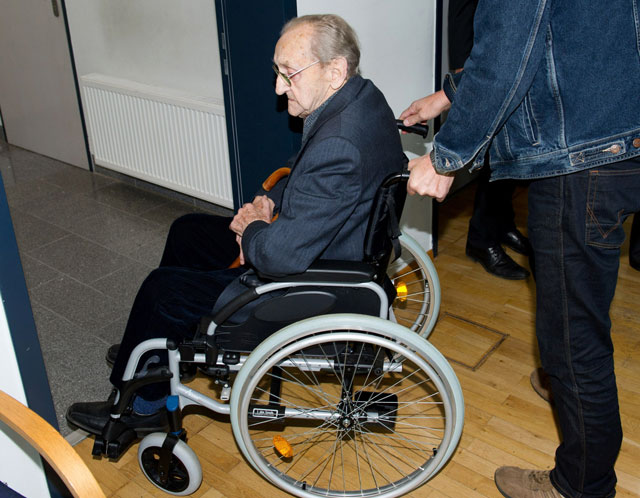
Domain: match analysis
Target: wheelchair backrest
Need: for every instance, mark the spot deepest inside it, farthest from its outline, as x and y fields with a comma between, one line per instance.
x=383, y=230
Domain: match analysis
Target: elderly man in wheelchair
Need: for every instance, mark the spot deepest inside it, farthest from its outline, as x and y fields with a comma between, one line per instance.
x=325, y=394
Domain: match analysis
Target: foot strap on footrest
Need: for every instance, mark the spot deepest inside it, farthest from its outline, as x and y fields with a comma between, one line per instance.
x=114, y=448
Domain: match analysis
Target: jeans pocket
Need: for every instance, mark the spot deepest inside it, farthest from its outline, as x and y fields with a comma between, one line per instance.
x=611, y=197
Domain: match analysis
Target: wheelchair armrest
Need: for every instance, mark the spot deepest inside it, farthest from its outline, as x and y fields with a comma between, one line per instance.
x=237, y=303
x=327, y=270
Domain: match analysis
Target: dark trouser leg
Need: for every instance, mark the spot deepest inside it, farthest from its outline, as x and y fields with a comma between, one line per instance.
x=634, y=243
x=575, y=226
x=200, y=242
x=169, y=304
x=172, y=299
x=493, y=214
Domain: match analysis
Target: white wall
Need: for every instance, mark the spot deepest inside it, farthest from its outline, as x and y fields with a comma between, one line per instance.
x=20, y=465
x=167, y=43
x=398, y=54
x=175, y=45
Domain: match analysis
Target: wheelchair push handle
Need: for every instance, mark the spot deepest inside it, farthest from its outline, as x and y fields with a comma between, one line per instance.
x=418, y=129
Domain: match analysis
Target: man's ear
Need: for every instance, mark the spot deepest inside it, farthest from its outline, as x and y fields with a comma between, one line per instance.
x=339, y=69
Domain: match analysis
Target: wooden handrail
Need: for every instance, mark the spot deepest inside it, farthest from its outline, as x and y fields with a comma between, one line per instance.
x=51, y=445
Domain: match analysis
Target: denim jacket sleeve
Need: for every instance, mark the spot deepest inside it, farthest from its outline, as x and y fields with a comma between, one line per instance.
x=508, y=47
x=450, y=85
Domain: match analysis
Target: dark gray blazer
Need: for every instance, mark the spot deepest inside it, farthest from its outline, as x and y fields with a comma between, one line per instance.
x=323, y=212
x=353, y=145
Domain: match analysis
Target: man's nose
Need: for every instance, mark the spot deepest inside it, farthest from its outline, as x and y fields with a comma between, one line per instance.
x=281, y=86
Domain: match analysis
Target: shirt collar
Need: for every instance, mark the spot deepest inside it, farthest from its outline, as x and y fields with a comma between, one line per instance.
x=313, y=117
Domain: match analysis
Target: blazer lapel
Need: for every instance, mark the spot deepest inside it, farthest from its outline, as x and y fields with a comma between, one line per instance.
x=339, y=101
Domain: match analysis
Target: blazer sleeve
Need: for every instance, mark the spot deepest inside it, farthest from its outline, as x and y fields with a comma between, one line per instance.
x=324, y=191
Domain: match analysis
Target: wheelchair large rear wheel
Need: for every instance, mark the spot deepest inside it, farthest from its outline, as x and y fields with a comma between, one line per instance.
x=346, y=405
x=417, y=303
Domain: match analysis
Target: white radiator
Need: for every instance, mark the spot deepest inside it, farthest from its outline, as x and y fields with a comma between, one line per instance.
x=159, y=135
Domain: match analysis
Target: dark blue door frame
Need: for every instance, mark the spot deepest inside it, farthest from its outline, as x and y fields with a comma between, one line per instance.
x=260, y=133
x=436, y=122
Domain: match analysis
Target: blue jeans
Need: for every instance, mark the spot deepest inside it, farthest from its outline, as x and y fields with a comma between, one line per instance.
x=575, y=228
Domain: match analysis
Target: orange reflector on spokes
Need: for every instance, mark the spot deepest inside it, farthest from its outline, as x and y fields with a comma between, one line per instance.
x=282, y=446
x=401, y=290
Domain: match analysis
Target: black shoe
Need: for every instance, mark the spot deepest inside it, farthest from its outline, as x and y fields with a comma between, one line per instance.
x=518, y=242
x=188, y=371
x=92, y=417
x=497, y=262
x=112, y=354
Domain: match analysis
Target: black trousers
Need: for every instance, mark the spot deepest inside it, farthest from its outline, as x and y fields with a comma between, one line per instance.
x=634, y=242
x=192, y=274
x=493, y=214
x=492, y=211
x=460, y=27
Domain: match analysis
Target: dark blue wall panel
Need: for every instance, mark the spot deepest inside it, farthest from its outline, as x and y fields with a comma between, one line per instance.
x=262, y=136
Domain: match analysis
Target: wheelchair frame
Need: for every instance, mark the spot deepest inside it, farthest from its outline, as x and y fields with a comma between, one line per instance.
x=375, y=332
x=189, y=396
x=377, y=409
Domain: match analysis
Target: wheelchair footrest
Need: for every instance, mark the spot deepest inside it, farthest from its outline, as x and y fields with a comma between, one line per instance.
x=114, y=448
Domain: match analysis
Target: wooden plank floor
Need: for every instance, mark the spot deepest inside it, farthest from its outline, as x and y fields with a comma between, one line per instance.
x=486, y=329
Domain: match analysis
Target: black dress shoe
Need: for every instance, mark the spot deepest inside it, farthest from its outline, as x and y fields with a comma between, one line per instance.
x=92, y=417
x=518, y=242
x=112, y=354
x=497, y=262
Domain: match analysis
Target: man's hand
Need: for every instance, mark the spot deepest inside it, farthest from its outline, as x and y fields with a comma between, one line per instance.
x=425, y=180
x=260, y=209
x=241, y=255
x=426, y=108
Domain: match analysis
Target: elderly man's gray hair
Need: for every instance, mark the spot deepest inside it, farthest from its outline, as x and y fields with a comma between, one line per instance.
x=333, y=38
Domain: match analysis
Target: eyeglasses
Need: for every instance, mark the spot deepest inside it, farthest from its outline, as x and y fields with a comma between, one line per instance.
x=287, y=77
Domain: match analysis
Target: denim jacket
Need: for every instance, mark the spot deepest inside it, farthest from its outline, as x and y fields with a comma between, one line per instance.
x=551, y=87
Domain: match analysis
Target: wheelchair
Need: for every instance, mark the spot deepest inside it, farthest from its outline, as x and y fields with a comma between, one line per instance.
x=331, y=387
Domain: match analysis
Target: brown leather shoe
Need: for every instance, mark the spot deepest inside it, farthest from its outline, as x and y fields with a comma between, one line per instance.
x=513, y=482
x=541, y=384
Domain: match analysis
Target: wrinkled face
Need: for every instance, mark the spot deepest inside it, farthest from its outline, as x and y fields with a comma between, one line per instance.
x=309, y=88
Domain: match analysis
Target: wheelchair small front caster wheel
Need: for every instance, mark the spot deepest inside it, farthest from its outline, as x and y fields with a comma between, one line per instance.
x=176, y=471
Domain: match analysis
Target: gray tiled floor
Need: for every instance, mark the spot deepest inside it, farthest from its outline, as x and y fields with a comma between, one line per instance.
x=86, y=242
